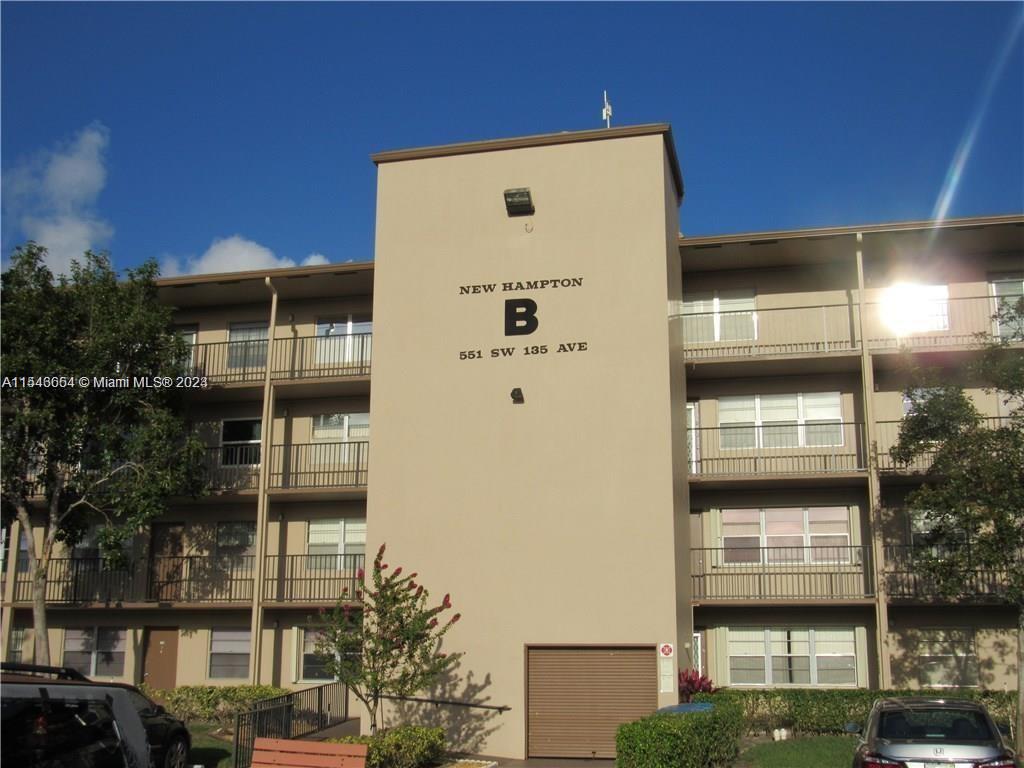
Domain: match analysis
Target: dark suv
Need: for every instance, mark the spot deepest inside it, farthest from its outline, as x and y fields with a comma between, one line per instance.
x=169, y=739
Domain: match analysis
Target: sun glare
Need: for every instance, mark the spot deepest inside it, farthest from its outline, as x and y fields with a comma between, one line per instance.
x=908, y=308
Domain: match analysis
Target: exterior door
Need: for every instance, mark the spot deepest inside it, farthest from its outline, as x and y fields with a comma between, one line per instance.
x=160, y=657
x=166, y=563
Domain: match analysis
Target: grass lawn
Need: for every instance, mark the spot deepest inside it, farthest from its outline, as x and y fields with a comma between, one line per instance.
x=806, y=752
x=208, y=750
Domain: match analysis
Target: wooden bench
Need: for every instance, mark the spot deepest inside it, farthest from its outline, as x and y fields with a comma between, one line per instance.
x=290, y=753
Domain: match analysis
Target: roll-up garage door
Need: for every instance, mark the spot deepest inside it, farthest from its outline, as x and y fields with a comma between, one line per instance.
x=577, y=697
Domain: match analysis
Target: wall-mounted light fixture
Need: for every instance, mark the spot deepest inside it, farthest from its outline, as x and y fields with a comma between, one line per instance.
x=519, y=201
x=517, y=396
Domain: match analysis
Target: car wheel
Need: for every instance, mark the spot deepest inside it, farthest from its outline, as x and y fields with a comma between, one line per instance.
x=177, y=753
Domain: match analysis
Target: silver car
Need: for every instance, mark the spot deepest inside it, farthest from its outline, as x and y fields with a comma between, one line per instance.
x=930, y=733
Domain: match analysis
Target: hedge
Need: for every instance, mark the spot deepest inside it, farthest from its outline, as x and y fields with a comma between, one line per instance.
x=691, y=740
x=408, y=746
x=212, y=703
x=807, y=710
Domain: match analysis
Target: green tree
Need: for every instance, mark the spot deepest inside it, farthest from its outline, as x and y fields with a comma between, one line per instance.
x=77, y=454
x=390, y=645
x=973, y=499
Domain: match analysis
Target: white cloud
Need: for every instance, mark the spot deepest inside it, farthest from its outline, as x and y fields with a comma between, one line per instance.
x=51, y=198
x=233, y=254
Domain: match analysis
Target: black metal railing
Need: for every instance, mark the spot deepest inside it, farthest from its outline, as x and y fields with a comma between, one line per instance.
x=908, y=575
x=319, y=465
x=313, y=578
x=321, y=356
x=201, y=579
x=288, y=717
x=233, y=467
x=78, y=580
x=820, y=572
x=228, y=362
x=888, y=433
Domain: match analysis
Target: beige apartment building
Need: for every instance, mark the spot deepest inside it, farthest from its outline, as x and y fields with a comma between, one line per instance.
x=623, y=451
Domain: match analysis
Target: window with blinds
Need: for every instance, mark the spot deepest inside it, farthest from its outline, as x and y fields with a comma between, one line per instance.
x=229, y=653
x=95, y=650
x=821, y=656
x=801, y=420
x=1007, y=291
x=330, y=541
x=947, y=658
x=786, y=535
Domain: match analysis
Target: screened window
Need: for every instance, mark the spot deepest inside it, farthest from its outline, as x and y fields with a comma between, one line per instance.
x=229, y=653
x=236, y=538
x=1007, y=292
x=801, y=420
x=719, y=316
x=312, y=666
x=247, y=345
x=792, y=656
x=189, y=334
x=332, y=543
x=333, y=431
x=95, y=650
x=947, y=658
x=240, y=442
x=786, y=535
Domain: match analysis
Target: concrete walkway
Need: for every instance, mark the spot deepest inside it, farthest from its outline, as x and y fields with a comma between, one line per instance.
x=553, y=762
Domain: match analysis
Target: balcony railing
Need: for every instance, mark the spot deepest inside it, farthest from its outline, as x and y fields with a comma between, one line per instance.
x=77, y=580
x=322, y=356
x=298, y=465
x=936, y=323
x=907, y=576
x=777, y=449
x=312, y=578
x=195, y=579
x=888, y=433
x=201, y=579
x=231, y=362
x=319, y=465
x=781, y=573
x=782, y=331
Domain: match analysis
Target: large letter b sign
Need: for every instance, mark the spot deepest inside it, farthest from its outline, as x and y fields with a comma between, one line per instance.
x=520, y=317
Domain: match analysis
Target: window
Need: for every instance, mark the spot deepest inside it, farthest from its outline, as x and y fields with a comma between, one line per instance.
x=947, y=658
x=16, y=644
x=311, y=666
x=344, y=339
x=341, y=427
x=188, y=334
x=240, y=442
x=792, y=656
x=925, y=537
x=786, y=535
x=1007, y=291
x=95, y=650
x=802, y=420
x=332, y=543
x=236, y=539
x=692, y=434
x=247, y=345
x=229, y=653
x=719, y=316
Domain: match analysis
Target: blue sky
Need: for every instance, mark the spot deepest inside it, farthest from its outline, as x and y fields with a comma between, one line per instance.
x=234, y=135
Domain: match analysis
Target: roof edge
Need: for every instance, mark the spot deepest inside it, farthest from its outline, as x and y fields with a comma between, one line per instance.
x=541, y=140
x=258, y=274
x=895, y=226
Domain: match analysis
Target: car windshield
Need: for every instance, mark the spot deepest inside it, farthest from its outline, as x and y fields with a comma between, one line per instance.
x=938, y=724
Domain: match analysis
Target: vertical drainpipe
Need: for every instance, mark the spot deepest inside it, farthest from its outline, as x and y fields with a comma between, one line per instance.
x=874, y=485
x=262, y=502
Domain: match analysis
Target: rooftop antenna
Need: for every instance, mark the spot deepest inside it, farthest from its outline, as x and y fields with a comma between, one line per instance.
x=606, y=113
